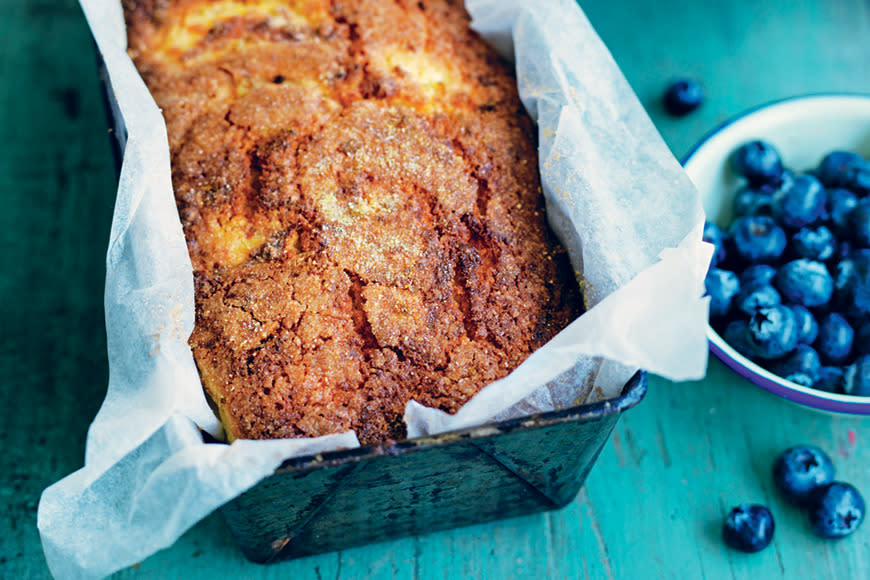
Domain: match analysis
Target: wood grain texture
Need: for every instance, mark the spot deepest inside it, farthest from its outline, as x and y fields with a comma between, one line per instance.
x=652, y=505
x=56, y=183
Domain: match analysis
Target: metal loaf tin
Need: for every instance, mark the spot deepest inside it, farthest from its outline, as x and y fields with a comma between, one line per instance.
x=353, y=497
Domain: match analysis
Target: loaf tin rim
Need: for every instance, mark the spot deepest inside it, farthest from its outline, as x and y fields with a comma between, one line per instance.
x=633, y=392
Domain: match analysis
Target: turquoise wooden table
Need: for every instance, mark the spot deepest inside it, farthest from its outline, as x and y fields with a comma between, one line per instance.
x=652, y=506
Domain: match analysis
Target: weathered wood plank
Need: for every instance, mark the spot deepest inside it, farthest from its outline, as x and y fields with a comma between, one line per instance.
x=56, y=183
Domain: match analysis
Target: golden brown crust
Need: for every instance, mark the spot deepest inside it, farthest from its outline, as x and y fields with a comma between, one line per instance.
x=358, y=186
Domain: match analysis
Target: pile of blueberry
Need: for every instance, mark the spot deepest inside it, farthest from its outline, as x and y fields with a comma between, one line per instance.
x=804, y=474
x=789, y=284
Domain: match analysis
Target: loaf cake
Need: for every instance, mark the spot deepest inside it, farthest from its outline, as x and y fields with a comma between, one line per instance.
x=358, y=187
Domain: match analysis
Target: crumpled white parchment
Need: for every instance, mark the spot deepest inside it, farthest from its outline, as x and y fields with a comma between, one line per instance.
x=617, y=198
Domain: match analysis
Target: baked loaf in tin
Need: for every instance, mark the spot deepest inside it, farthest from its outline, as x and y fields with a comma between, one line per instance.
x=358, y=187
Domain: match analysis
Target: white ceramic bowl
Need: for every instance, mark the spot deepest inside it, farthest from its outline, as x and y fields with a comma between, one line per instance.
x=803, y=129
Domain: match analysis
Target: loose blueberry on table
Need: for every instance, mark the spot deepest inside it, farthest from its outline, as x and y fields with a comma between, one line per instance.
x=748, y=528
x=790, y=279
x=836, y=510
x=683, y=96
x=800, y=470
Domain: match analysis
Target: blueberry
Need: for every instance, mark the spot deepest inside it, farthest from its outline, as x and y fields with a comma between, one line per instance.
x=800, y=470
x=805, y=282
x=773, y=332
x=860, y=255
x=722, y=286
x=852, y=284
x=835, y=339
x=859, y=220
x=757, y=238
x=830, y=380
x=748, y=528
x=845, y=274
x=857, y=178
x=861, y=343
x=802, y=379
x=808, y=328
x=836, y=510
x=802, y=366
x=844, y=248
x=751, y=201
x=800, y=204
x=714, y=235
x=839, y=204
x=785, y=181
x=856, y=379
x=815, y=243
x=834, y=167
x=737, y=336
x=757, y=275
x=753, y=297
x=758, y=162
x=683, y=96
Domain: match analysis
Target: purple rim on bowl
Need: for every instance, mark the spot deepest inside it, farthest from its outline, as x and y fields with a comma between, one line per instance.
x=721, y=140
x=831, y=402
